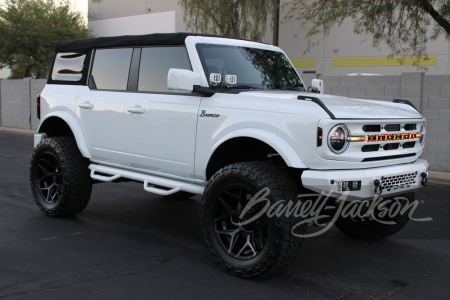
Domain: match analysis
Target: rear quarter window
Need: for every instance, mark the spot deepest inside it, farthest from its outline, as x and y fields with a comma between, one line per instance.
x=68, y=67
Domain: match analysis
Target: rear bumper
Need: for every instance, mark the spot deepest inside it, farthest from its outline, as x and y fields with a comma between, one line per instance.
x=397, y=179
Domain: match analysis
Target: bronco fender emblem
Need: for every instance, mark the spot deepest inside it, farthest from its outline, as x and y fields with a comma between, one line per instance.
x=204, y=114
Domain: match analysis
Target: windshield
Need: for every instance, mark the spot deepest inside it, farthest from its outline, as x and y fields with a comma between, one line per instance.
x=254, y=68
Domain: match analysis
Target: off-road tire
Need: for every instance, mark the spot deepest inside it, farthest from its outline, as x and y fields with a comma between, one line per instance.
x=371, y=230
x=59, y=176
x=280, y=247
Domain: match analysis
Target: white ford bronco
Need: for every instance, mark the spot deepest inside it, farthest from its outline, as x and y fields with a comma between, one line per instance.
x=231, y=120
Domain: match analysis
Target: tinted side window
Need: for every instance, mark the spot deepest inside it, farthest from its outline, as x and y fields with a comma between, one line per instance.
x=68, y=66
x=111, y=68
x=155, y=64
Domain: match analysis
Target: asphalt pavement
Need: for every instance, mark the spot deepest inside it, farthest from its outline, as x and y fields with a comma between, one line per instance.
x=129, y=244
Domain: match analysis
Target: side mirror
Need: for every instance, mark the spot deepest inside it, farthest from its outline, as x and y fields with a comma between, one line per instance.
x=182, y=80
x=316, y=86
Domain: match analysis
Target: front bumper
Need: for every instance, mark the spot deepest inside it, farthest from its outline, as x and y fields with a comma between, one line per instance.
x=392, y=180
x=38, y=137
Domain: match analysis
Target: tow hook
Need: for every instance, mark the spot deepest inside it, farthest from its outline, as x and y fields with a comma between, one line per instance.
x=378, y=188
x=424, y=180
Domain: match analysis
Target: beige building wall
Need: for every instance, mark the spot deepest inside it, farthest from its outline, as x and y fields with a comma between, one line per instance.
x=340, y=53
x=107, y=9
x=160, y=22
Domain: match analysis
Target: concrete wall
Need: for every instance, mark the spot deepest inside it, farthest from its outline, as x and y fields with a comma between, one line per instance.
x=18, y=102
x=430, y=94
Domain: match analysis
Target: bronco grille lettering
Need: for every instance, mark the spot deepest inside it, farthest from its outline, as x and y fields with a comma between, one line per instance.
x=392, y=137
x=203, y=114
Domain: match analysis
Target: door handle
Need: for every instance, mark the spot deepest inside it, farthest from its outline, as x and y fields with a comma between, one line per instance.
x=86, y=105
x=136, y=109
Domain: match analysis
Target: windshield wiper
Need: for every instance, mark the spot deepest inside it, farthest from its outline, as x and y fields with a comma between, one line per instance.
x=245, y=87
x=292, y=88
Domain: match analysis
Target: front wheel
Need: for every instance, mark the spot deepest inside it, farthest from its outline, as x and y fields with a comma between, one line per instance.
x=258, y=247
x=59, y=177
x=388, y=218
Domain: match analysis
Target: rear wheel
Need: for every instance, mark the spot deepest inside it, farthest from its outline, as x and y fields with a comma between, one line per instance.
x=59, y=177
x=259, y=247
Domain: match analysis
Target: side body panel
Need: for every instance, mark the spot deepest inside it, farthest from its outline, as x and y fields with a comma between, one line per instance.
x=293, y=135
x=60, y=101
x=100, y=114
x=160, y=136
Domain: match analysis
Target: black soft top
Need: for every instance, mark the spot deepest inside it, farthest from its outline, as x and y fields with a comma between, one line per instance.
x=166, y=39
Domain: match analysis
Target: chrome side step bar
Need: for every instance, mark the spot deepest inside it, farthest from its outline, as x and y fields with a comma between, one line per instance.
x=105, y=173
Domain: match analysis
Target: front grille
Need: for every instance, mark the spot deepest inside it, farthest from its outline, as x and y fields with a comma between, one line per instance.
x=372, y=128
x=395, y=182
x=388, y=137
x=393, y=146
x=372, y=141
x=409, y=145
x=410, y=127
x=388, y=157
x=392, y=127
x=370, y=148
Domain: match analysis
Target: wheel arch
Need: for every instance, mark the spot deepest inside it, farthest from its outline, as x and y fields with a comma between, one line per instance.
x=64, y=124
x=250, y=144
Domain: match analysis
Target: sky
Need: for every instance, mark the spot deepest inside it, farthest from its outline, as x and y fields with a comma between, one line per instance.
x=80, y=5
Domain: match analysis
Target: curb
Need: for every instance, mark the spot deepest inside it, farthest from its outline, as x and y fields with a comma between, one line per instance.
x=439, y=177
x=17, y=130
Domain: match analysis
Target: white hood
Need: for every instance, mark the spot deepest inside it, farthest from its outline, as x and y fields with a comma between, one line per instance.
x=348, y=108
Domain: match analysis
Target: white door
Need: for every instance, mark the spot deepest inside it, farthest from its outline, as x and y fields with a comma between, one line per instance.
x=159, y=132
x=160, y=126
x=100, y=106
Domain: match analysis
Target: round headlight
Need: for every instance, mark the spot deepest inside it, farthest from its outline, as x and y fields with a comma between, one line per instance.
x=338, y=139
